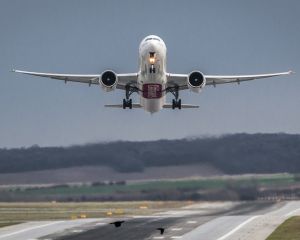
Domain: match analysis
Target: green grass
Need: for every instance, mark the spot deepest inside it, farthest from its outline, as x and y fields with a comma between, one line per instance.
x=183, y=184
x=289, y=230
x=216, y=183
x=6, y=223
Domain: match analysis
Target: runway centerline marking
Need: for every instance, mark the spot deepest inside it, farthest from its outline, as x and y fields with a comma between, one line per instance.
x=97, y=224
x=191, y=222
x=29, y=229
x=237, y=228
x=158, y=237
x=291, y=213
x=176, y=229
x=176, y=237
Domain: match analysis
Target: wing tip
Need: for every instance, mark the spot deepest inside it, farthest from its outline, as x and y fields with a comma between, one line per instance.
x=291, y=72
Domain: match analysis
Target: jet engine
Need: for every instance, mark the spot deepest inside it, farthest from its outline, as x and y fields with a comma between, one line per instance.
x=196, y=81
x=108, y=80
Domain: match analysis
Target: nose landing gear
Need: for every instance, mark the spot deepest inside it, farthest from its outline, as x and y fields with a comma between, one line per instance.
x=152, y=69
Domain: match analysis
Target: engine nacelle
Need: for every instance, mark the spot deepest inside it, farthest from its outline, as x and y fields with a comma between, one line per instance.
x=196, y=81
x=108, y=80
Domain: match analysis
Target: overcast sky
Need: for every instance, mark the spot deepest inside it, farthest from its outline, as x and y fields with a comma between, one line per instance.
x=215, y=37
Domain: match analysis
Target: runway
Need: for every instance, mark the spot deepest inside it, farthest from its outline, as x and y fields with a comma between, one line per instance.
x=207, y=221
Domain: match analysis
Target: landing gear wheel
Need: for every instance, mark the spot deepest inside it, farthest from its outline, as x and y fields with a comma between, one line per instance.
x=130, y=103
x=127, y=103
x=176, y=103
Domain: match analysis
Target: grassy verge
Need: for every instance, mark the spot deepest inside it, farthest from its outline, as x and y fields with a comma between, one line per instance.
x=6, y=224
x=21, y=212
x=186, y=184
x=289, y=230
x=241, y=187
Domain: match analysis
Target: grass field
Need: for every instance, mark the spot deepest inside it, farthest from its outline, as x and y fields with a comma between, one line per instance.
x=183, y=184
x=289, y=230
x=8, y=223
x=21, y=212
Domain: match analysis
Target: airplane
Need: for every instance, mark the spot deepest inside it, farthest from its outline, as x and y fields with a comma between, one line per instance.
x=152, y=82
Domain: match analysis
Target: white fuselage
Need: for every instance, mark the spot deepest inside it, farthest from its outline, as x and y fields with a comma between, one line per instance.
x=152, y=77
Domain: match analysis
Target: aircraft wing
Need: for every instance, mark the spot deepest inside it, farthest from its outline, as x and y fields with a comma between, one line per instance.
x=180, y=80
x=123, y=79
x=213, y=80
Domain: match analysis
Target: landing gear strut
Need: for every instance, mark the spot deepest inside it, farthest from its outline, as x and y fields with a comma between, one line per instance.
x=176, y=103
x=127, y=102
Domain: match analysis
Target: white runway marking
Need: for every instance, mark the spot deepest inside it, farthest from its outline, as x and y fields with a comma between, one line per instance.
x=29, y=229
x=77, y=231
x=176, y=229
x=97, y=224
x=292, y=212
x=191, y=222
x=158, y=237
x=237, y=228
x=176, y=237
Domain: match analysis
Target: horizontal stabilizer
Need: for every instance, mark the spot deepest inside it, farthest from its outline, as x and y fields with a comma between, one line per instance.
x=134, y=105
x=169, y=105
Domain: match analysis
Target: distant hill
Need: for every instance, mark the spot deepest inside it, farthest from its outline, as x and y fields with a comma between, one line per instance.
x=231, y=154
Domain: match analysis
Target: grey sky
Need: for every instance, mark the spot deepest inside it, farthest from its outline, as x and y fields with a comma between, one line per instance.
x=216, y=37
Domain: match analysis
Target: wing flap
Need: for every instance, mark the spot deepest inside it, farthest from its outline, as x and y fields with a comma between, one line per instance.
x=180, y=80
x=123, y=78
x=215, y=79
x=83, y=78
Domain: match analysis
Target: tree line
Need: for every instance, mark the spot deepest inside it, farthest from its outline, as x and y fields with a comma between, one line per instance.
x=232, y=154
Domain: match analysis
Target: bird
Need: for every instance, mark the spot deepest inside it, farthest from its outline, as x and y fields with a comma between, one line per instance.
x=117, y=223
x=162, y=230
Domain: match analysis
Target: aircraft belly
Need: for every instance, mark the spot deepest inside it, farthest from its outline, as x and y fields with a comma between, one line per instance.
x=154, y=104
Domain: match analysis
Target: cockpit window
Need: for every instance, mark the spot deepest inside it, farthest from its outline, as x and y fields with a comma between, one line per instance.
x=147, y=39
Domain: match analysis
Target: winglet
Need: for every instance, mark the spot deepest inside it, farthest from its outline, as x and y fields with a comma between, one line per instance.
x=13, y=70
x=291, y=72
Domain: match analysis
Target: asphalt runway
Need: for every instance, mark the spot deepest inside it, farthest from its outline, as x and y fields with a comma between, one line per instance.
x=203, y=221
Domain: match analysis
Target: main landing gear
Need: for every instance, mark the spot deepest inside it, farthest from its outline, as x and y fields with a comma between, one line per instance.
x=127, y=102
x=176, y=103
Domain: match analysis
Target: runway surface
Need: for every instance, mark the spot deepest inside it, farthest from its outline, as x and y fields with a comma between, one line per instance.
x=207, y=221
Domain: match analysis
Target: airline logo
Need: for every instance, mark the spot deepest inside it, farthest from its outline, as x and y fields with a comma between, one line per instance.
x=152, y=91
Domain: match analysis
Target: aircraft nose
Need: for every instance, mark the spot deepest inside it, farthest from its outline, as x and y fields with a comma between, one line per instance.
x=152, y=47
